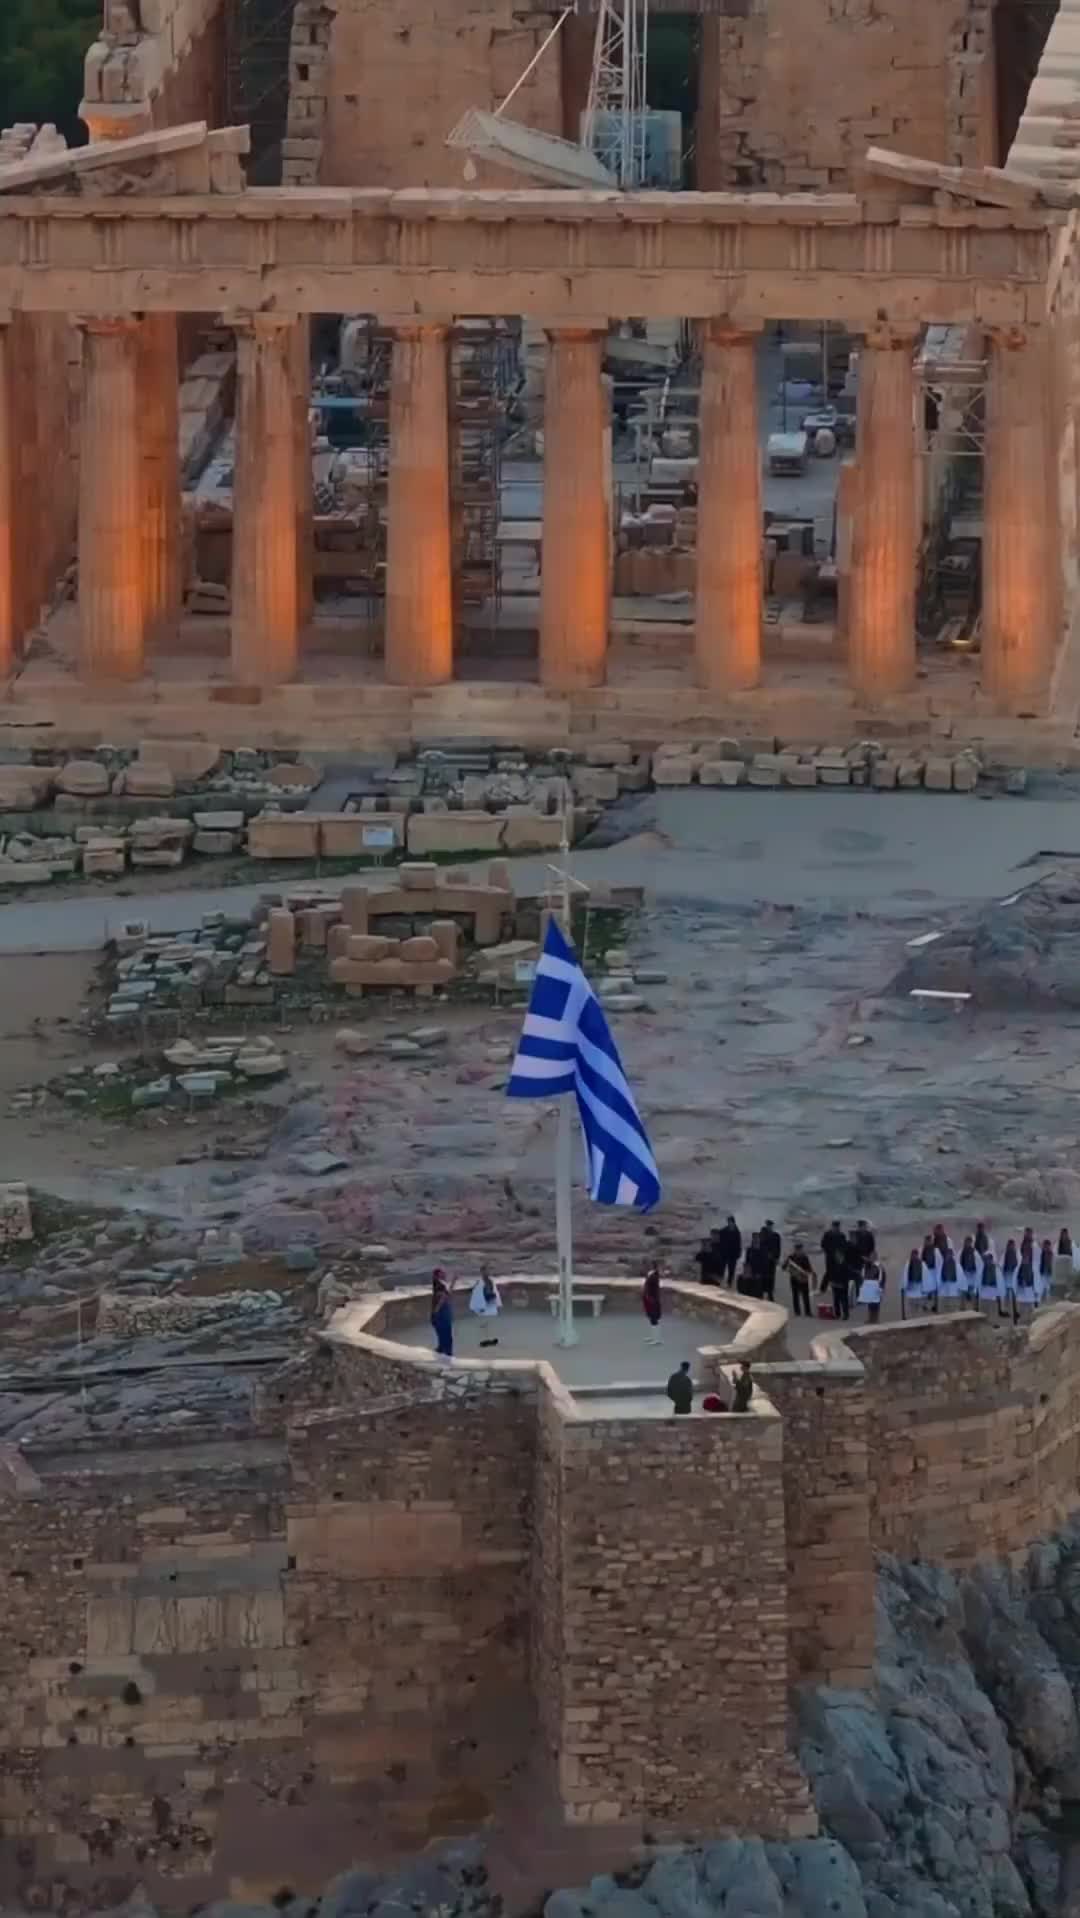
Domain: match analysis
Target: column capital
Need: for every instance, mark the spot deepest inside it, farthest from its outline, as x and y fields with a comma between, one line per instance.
x=722, y=330
x=893, y=336
x=1014, y=338
x=106, y=325
x=419, y=332
x=582, y=332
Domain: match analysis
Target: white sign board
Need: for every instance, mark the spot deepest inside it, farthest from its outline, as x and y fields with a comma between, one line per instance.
x=377, y=838
x=524, y=972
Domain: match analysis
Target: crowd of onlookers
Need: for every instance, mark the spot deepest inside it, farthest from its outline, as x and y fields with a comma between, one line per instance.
x=936, y=1273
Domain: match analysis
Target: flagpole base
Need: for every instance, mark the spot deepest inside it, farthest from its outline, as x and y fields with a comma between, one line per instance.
x=567, y=1335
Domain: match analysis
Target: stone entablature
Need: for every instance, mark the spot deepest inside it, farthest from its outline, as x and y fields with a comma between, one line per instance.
x=572, y=257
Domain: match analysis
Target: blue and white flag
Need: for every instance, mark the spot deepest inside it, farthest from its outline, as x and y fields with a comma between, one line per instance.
x=565, y=1046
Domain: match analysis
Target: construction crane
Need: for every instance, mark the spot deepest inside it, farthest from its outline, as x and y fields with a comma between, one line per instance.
x=612, y=150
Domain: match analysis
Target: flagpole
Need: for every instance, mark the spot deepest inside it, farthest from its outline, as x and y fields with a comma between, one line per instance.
x=564, y=1148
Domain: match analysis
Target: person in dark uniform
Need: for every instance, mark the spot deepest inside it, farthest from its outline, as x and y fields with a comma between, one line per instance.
x=772, y=1248
x=834, y=1249
x=744, y=1388
x=680, y=1390
x=801, y=1277
x=728, y=1242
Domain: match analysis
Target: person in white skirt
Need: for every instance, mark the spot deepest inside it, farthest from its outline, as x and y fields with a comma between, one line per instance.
x=1025, y=1288
x=1044, y=1272
x=872, y=1289
x=931, y=1265
x=991, y=1284
x=911, y=1281
x=1065, y=1262
x=970, y=1271
x=984, y=1243
x=949, y=1277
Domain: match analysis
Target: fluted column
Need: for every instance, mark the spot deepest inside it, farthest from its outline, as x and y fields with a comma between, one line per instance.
x=1019, y=555
x=7, y=503
x=575, y=560
x=158, y=389
x=111, y=593
x=419, y=593
x=881, y=603
x=730, y=589
x=300, y=346
x=264, y=580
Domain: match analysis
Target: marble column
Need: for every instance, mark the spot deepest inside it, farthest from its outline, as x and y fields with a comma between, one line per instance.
x=265, y=643
x=111, y=591
x=7, y=503
x=730, y=596
x=881, y=598
x=575, y=567
x=300, y=346
x=158, y=391
x=419, y=590
x=1019, y=555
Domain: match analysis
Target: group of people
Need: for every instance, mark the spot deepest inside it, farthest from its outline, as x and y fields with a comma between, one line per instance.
x=484, y=1303
x=1025, y=1275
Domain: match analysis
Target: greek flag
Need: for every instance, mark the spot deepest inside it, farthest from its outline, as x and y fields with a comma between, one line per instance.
x=565, y=1046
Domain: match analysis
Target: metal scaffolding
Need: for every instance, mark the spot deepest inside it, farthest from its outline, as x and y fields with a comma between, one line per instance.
x=257, y=39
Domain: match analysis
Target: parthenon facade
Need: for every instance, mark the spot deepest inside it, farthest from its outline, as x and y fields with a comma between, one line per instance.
x=152, y=230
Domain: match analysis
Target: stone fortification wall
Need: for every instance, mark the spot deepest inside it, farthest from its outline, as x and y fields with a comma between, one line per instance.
x=792, y=92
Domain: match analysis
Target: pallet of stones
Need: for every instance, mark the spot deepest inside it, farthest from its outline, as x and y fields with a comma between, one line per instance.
x=200, y=1072
x=223, y=961
x=723, y=763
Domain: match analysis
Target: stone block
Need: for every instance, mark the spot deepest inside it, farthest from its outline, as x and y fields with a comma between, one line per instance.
x=22, y=788
x=800, y=772
x=143, y=780
x=313, y=925
x=337, y=941
x=420, y=948
x=531, y=831
x=608, y=752
x=498, y=876
x=187, y=759
x=635, y=777
x=354, y=907
x=249, y=995
x=283, y=835
x=83, y=779
x=597, y=783
x=674, y=770
x=447, y=936
x=883, y=774
x=833, y=773
x=721, y=772
x=366, y=946
x=215, y=843
x=24, y=872
x=763, y=771
x=155, y=856
x=218, y=821
x=297, y=777
x=909, y=771
x=454, y=832
x=1016, y=782
x=938, y=776
x=281, y=940
x=104, y=857
x=965, y=774
x=418, y=875
x=149, y=834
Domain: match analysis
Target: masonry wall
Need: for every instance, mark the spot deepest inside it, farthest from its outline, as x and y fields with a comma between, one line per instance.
x=828, y=1551
x=402, y=72
x=674, y=1627
x=792, y=92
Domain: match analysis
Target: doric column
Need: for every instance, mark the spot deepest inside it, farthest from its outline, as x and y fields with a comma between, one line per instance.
x=7, y=503
x=881, y=604
x=730, y=589
x=111, y=595
x=264, y=575
x=300, y=346
x=1019, y=555
x=158, y=388
x=419, y=592
x=575, y=562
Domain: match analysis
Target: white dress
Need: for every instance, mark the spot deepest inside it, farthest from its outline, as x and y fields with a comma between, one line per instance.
x=950, y=1288
x=970, y=1281
x=991, y=1284
x=931, y=1279
x=479, y=1303
x=912, y=1288
x=869, y=1290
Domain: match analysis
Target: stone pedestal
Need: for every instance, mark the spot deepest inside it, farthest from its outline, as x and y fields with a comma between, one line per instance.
x=881, y=599
x=264, y=583
x=419, y=594
x=1019, y=556
x=730, y=589
x=576, y=561
x=300, y=348
x=111, y=588
x=7, y=516
x=158, y=391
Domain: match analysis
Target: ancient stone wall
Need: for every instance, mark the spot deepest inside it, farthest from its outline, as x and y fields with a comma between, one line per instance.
x=402, y=73
x=829, y=1555
x=772, y=113
x=674, y=1626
